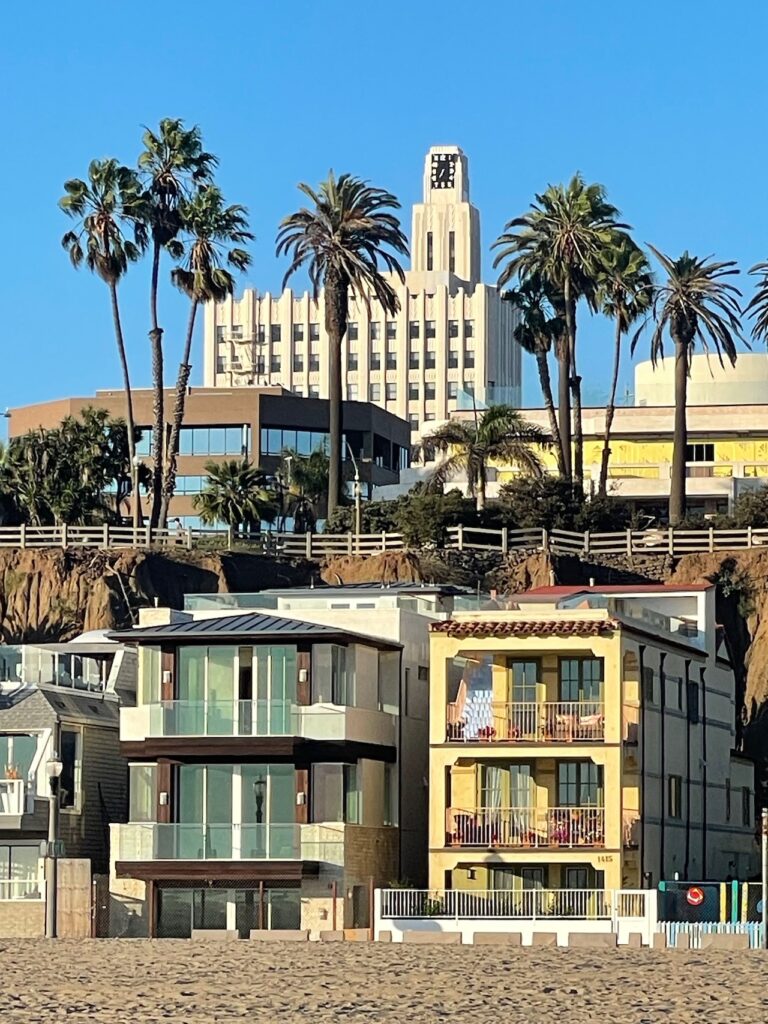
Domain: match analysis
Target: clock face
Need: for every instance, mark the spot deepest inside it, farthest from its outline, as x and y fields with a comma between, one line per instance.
x=444, y=170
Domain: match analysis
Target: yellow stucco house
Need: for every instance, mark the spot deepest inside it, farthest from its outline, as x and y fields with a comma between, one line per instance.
x=583, y=738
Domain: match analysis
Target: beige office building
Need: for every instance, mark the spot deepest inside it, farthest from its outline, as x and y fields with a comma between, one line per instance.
x=452, y=333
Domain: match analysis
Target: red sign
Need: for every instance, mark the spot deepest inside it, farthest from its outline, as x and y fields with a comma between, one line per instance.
x=695, y=896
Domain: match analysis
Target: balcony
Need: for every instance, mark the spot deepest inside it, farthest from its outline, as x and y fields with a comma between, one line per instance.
x=12, y=797
x=526, y=827
x=150, y=841
x=177, y=719
x=487, y=721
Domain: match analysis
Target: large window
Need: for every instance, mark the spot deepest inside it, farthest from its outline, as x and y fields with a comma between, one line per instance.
x=232, y=440
x=17, y=751
x=523, y=681
x=581, y=679
x=190, y=484
x=579, y=784
x=336, y=793
x=275, y=440
x=333, y=675
x=675, y=797
x=700, y=453
x=71, y=754
x=142, y=789
x=19, y=864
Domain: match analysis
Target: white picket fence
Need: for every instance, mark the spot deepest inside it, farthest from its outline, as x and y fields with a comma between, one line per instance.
x=695, y=931
x=632, y=543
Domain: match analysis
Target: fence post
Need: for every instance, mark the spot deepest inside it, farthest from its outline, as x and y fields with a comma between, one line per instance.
x=64, y=537
x=711, y=539
x=189, y=538
x=504, y=540
x=148, y=536
x=544, y=540
x=460, y=537
x=229, y=537
x=371, y=908
x=350, y=544
x=629, y=543
x=749, y=536
x=383, y=540
x=105, y=536
x=334, y=897
x=23, y=535
x=308, y=545
x=671, y=538
x=586, y=542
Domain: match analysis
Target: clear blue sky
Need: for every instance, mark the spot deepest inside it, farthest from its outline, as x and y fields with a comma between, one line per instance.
x=663, y=102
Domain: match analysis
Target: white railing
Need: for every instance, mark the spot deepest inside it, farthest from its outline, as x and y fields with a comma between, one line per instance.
x=483, y=720
x=12, y=797
x=659, y=541
x=529, y=827
x=22, y=889
x=485, y=904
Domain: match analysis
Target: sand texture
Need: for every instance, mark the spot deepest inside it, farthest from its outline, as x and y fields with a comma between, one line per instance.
x=138, y=981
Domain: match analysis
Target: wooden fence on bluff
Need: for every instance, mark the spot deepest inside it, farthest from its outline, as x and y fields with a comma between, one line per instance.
x=657, y=541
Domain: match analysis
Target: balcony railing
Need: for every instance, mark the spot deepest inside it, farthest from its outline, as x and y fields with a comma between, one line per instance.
x=152, y=841
x=528, y=827
x=482, y=720
x=12, y=799
x=21, y=889
x=467, y=904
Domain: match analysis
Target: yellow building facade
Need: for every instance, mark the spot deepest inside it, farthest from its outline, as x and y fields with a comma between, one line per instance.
x=567, y=739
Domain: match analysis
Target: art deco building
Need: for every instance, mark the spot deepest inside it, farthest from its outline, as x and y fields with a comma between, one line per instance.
x=452, y=333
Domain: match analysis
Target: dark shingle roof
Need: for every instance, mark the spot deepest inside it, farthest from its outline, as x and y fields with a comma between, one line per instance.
x=251, y=624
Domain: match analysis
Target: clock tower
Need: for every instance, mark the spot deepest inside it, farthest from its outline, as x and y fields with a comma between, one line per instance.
x=446, y=227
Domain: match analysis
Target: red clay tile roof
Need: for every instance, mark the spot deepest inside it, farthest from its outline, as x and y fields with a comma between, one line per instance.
x=483, y=629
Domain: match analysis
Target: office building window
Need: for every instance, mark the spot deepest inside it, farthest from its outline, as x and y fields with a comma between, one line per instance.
x=453, y=359
x=413, y=329
x=275, y=440
x=469, y=358
x=298, y=363
x=453, y=388
x=391, y=392
x=298, y=390
x=727, y=799
x=391, y=330
x=429, y=359
x=298, y=332
x=221, y=364
x=413, y=420
x=352, y=330
x=220, y=331
x=692, y=702
x=413, y=391
x=429, y=392
x=469, y=328
x=274, y=334
x=352, y=392
x=190, y=484
x=213, y=440
x=274, y=364
x=314, y=391
x=746, y=806
x=675, y=796
x=429, y=250
x=452, y=251
x=453, y=328
x=648, y=685
x=314, y=362
x=352, y=360
x=700, y=453
x=374, y=393
x=430, y=330
x=413, y=359
x=429, y=417
x=375, y=359
x=391, y=359
x=469, y=387
x=260, y=334
x=375, y=330
x=314, y=332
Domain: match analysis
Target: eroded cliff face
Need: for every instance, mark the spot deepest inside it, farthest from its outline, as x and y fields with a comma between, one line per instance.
x=50, y=595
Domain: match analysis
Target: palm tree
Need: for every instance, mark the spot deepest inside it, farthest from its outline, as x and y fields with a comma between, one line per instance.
x=693, y=304
x=235, y=493
x=625, y=295
x=499, y=434
x=105, y=207
x=537, y=329
x=203, y=277
x=307, y=478
x=561, y=239
x=343, y=239
x=172, y=164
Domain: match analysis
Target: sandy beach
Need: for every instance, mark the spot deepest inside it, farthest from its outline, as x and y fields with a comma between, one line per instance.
x=145, y=982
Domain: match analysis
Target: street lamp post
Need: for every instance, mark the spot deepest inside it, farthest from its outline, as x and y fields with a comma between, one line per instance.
x=136, y=464
x=54, y=768
x=358, y=500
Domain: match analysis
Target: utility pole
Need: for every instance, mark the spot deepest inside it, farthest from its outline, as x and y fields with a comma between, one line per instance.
x=764, y=873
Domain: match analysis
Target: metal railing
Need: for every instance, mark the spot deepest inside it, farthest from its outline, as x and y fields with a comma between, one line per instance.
x=12, y=796
x=486, y=904
x=482, y=720
x=22, y=889
x=529, y=827
x=660, y=541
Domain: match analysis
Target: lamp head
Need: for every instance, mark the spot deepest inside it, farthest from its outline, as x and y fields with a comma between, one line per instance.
x=54, y=768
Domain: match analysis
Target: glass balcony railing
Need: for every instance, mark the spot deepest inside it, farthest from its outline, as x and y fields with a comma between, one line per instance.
x=222, y=718
x=153, y=841
x=31, y=665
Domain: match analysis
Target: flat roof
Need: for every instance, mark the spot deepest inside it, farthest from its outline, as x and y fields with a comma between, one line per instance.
x=447, y=589
x=247, y=626
x=630, y=588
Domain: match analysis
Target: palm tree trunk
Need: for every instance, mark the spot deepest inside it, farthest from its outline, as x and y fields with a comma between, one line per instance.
x=129, y=421
x=610, y=409
x=179, y=403
x=158, y=413
x=564, y=405
x=680, y=442
x=574, y=382
x=549, y=404
x=336, y=302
